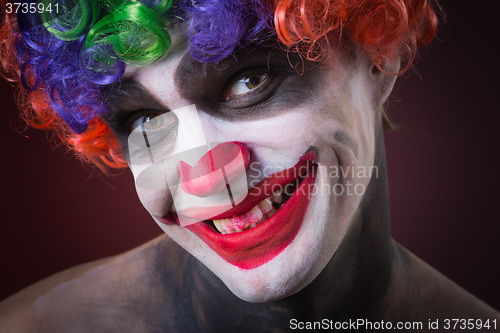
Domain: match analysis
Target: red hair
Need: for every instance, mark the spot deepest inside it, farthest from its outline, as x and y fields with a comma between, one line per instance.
x=96, y=145
x=384, y=29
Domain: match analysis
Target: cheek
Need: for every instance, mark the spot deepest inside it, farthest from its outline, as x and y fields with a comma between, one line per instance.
x=156, y=201
x=152, y=189
x=277, y=142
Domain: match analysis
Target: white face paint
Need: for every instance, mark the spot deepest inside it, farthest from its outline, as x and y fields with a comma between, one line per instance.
x=209, y=178
x=279, y=116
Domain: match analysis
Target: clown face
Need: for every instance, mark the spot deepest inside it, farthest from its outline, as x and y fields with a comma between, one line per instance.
x=257, y=164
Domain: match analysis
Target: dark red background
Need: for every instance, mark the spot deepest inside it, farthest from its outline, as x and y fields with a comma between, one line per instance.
x=443, y=169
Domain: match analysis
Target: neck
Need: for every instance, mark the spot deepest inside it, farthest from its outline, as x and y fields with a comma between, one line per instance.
x=351, y=286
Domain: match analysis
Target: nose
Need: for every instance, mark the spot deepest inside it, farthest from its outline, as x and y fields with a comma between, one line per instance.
x=214, y=170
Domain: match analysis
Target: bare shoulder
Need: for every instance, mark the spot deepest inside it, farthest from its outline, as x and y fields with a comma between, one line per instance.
x=117, y=292
x=427, y=294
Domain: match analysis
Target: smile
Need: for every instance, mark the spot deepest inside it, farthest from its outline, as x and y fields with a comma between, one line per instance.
x=264, y=210
x=266, y=222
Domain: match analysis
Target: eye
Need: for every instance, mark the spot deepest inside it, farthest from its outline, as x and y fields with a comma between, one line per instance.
x=154, y=122
x=151, y=130
x=247, y=84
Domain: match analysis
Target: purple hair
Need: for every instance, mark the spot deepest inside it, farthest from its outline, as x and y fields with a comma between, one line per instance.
x=73, y=70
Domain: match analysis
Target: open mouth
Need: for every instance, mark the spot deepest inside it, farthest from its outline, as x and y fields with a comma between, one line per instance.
x=259, y=213
x=261, y=226
x=266, y=221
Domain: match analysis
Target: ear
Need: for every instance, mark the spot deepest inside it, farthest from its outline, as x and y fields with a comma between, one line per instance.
x=382, y=78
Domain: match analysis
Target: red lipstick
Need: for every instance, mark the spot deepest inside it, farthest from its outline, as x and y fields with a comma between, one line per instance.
x=254, y=247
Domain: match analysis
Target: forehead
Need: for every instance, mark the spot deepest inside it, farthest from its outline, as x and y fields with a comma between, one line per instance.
x=179, y=35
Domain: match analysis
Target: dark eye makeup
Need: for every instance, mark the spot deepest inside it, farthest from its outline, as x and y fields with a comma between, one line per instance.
x=151, y=120
x=246, y=84
x=232, y=89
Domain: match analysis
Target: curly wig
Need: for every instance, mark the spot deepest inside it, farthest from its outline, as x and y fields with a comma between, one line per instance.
x=62, y=60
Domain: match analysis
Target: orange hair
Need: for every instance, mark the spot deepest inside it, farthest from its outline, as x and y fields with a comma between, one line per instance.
x=385, y=29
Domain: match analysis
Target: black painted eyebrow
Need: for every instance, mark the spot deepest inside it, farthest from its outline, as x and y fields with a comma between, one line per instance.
x=190, y=74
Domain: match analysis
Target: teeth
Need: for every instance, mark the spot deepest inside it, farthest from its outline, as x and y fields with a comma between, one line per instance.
x=252, y=218
x=227, y=225
x=266, y=205
x=277, y=197
x=254, y=215
x=219, y=225
x=239, y=222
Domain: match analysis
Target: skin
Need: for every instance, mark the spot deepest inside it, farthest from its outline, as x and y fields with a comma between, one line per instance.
x=343, y=263
x=347, y=139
